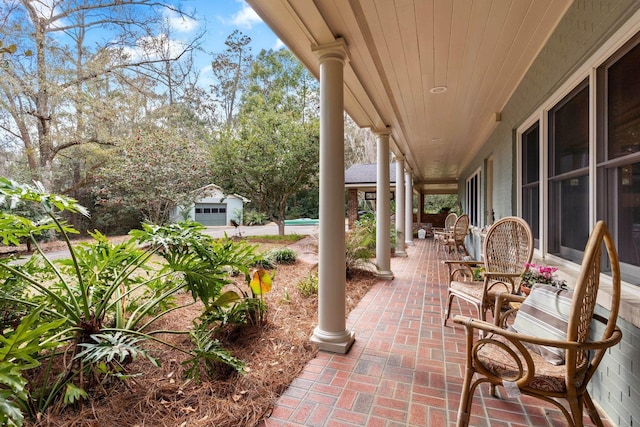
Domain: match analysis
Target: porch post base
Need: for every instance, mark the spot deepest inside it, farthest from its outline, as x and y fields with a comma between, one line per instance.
x=334, y=343
x=385, y=275
x=400, y=254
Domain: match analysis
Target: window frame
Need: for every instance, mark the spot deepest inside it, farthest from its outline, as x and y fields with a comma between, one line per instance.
x=598, y=209
x=473, y=192
x=607, y=168
x=557, y=211
x=523, y=131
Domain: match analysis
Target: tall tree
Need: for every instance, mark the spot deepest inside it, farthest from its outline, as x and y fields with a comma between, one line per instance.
x=153, y=172
x=57, y=98
x=231, y=69
x=359, y=144
x=273, y=152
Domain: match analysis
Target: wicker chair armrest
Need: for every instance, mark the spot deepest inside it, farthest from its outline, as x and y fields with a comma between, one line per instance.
x=505, y=298
x=463, y=268
x=470, y=263
x=614, y=339
x=506, y=307
x=515, y=337
x=491, y=274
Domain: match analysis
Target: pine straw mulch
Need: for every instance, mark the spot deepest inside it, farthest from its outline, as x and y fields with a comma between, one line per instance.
x=274, y=356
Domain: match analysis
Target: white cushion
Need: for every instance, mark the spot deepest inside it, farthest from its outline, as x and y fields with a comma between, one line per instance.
x=544, y=314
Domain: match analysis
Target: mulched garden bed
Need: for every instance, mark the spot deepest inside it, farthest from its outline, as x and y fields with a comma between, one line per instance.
x=274, y=356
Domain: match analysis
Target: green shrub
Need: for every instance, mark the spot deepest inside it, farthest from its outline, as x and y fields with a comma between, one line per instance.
x=265, y=261
x=358, y=254
x=284, y=256
x=365, y=232
x=255, y=218
x=106, y=297
x=308, y=286
x=19, y=347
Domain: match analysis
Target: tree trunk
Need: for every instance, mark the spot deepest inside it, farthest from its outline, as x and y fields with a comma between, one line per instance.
x=42, y=112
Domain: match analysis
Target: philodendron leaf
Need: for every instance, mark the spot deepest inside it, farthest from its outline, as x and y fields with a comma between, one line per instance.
x=261, y=282
x=11, y=377
x=226, y=298
x=74, y=394
x=10, y=414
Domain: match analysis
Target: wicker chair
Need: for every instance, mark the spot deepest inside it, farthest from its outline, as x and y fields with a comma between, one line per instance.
x=455, y=241
x=514, y=357
x=508, y=246
x=441, y=234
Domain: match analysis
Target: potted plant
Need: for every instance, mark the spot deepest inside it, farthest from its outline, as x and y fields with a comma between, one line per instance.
x=540, y=274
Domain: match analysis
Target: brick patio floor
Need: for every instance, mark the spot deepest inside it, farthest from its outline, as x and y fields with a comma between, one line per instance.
x=405, y=368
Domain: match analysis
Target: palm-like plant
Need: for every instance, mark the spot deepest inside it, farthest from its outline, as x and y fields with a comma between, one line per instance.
x=108, y=296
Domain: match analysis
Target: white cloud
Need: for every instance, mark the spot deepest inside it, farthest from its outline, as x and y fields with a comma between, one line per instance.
x=205, y=78
x=46, y=9
x=245, y=17
x=278, y=45
x=154, y=48
x=179, y=23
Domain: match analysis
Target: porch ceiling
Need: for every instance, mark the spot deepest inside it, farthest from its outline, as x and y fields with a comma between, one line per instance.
x=400, y=49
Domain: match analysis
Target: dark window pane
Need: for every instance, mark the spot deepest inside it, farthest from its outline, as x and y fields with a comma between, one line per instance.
x=214, y=210
x=531, y=155
x=473, y=199
x=530, y=210
x=207, y=210
x=198, y=210
x=530, y=180
x=628, y=211
x=569, y=156
x=569, y=133
x=569, y=217
x=223, y=210
x=623, y=105
x=619, y=180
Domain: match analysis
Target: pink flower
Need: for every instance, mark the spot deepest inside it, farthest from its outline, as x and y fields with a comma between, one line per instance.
x=540, y=274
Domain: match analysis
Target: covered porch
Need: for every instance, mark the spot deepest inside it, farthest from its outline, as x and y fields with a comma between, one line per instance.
x=405, y=368
x=525, y=108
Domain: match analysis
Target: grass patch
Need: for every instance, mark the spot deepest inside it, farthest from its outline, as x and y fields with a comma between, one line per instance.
x=274, y=238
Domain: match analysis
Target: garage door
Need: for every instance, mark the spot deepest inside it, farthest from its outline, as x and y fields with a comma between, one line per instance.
x=211, y=213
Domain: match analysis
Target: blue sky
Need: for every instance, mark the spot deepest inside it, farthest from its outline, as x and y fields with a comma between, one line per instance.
x=220, y=18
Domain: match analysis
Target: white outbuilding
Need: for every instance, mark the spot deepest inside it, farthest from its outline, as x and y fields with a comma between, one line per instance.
x=213, y=208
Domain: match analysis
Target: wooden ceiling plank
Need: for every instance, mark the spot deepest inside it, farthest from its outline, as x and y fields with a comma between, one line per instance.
x=500, y=59
x=409, y=35
x=400, y=49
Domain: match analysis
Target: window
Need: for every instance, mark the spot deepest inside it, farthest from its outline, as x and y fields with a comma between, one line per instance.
x=531, y=180
x=207, y=210
x=198, y=210
x=473, y=199
x=599, y=117
x=619, y=154
x=568, y=215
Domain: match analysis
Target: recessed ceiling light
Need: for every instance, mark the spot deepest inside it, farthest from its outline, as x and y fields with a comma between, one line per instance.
x=438, y=89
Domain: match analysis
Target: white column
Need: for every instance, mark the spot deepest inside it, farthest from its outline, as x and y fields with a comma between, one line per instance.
x=408, y=208
x=331, y=333
x=383, y=212
x=400, y=248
